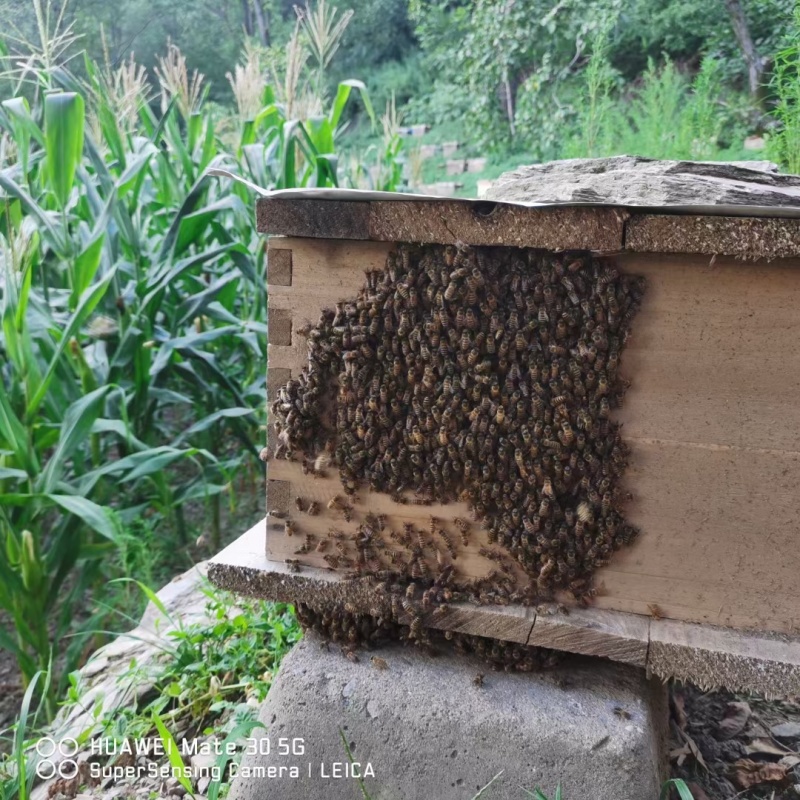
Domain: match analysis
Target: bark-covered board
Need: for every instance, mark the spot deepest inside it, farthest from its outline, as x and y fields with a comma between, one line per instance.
x=711, y=419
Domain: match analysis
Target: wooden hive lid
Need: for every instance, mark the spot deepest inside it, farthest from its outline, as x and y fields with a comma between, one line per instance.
x=607, y=205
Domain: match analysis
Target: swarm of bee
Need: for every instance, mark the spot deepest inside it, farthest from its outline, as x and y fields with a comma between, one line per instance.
x=481, y=374
x=352, y=631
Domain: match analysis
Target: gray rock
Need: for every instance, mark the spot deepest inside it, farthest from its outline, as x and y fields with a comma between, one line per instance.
x=428, y=732
x=203, y=764
x=786, y=730
x=634, y=181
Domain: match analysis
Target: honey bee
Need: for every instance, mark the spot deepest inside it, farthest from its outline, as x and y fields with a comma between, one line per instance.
x=313, y=508
x=293, y=564
x=300, y=504
x=265, y=454
x=621, y=713
x=290, y=528
x=478, y=680
x=351, y=655
x=654, y=611
x=379, y=663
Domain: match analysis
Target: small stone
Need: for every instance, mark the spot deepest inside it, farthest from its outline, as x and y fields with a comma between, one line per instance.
x=174, y=787
x=202, y=764
x=349, y=688
x=372, y=708
x=786, y=730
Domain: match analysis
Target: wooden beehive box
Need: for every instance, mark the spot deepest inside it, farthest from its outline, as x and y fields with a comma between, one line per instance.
x=708, y=591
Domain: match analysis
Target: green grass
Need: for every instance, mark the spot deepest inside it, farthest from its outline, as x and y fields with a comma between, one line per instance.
x=673, y=783
x=210, y=680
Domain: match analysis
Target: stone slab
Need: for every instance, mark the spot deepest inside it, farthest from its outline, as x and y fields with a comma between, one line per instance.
x=428, y=731
x=648, y=182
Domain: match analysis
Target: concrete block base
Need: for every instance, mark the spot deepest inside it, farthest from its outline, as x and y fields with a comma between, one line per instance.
x=422, y=728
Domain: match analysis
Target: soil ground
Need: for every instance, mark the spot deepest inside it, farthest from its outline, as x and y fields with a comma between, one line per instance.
x=728, y=746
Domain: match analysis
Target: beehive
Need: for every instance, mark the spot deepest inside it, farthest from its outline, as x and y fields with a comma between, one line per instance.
x=707, y=590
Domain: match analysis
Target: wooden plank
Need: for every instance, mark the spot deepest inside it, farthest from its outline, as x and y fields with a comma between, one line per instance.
x=594, y=632
x=279, y=267
x=711, y=418
x=280, y=326
x=706, y=655
x=322, y=489
x=747, y=238
x=445, y=222
x=713, y=657
x=482, y=223
x=326, y=219
x=244, y=568
x=324, y=273
x=713, y=358
x=718, y=538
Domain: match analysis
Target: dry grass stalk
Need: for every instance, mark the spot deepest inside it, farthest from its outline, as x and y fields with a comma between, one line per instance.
x=177, y=82
x=54, y=40
x=323, y=29
x=124, y=89
x=248, y=82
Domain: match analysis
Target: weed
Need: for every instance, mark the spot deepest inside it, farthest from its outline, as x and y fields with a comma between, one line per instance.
x=676, y=783
x=784, y=143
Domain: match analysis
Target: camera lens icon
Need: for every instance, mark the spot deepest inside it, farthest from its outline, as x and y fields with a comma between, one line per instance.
x=68, y=747
x=46, y=747
x=49, y=751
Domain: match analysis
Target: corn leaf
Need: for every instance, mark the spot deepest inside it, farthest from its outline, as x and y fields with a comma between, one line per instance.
x=99, y=519
x=63, y=129
x=89, y=300
x=78, y=421
x=87, y=263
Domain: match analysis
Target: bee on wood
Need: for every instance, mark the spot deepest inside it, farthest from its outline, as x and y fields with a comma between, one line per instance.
x=300, y=504
x=313, y=508
x=277, y=514
x=463, y=528
x=290, y=528
x=654, y=611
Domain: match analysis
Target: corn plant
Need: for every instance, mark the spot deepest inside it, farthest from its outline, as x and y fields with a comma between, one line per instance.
x=133, y=308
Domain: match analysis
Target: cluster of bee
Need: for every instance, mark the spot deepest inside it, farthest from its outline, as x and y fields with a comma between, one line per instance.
x=486, y=375
x=353, y=631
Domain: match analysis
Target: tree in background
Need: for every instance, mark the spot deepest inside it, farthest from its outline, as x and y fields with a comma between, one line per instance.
x=511, y=68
